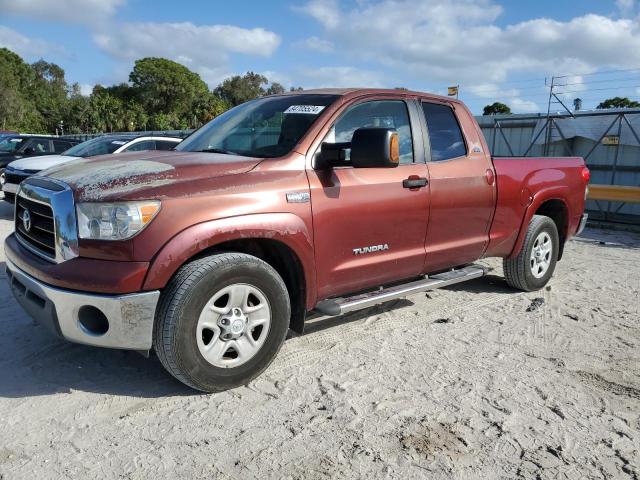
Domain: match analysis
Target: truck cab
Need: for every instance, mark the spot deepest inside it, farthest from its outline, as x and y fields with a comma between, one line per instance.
x=327, y=200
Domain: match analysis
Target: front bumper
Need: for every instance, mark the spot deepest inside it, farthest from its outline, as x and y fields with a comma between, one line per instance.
x=583, y=223
x=112, y=321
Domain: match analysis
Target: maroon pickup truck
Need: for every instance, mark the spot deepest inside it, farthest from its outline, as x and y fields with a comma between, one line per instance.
x=326, y=200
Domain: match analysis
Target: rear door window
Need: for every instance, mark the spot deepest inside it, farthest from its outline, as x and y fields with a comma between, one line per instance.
x=446, y=138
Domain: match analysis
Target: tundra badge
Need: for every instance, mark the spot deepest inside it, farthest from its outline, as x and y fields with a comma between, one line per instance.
x=371, y=249
x=298, y=197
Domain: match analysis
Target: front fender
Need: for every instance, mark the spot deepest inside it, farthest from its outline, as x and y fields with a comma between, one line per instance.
x=283, y=227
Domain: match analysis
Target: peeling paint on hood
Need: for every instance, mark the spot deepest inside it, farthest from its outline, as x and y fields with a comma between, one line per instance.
x=108, y=178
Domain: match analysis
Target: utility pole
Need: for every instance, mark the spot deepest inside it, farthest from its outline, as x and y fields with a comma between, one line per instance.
x=547, y=136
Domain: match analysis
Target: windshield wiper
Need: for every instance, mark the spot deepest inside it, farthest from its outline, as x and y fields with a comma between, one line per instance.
x=218, y=150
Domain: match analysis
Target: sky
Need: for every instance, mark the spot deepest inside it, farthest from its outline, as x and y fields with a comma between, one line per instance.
x=496, y=50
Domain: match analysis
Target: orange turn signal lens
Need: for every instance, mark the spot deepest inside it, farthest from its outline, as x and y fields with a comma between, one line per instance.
x=394, y=149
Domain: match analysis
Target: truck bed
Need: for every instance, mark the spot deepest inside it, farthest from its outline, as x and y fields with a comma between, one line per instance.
x=521, y=184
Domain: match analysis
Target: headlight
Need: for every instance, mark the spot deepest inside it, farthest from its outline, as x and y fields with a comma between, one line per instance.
x=114, y=221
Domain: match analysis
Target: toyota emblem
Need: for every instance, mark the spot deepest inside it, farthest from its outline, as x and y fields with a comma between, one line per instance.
x=26, y=220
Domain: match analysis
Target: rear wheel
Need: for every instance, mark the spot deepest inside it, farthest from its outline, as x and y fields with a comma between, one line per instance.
x=221, y=321
x=532, y=268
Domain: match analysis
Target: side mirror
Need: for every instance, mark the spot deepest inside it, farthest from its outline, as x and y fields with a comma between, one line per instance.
x=370, y=148
x=375, y=148
x=332, y=155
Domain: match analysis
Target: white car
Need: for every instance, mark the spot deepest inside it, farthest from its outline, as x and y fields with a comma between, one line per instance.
x=18, y=170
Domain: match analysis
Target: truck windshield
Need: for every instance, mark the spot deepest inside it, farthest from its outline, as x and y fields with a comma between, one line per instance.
x=96, y=146
x=266, y=128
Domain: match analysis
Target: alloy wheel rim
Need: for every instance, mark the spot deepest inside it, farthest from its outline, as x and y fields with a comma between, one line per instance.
x=540, y=258
x=233, y=325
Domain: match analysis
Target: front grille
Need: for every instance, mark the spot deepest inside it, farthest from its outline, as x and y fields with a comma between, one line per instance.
x=16, y=178
x=41, y=234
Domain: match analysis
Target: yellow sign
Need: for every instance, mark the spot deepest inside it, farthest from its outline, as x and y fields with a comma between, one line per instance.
x=452, y=91
x=611, y=140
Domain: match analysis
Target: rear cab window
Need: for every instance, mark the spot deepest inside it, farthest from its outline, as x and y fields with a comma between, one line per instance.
x=445, y=135
x=376, y=113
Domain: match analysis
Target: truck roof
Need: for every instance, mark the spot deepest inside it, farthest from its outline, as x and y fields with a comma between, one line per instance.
x=369, y=91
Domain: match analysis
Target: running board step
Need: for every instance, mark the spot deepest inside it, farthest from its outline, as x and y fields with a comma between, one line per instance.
x=339, y=306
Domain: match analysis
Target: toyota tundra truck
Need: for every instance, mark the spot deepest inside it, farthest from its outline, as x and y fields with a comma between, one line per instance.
x=322, y=200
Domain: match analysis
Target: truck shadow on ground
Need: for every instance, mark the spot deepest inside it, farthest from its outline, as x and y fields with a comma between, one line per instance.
x=33, y=363
x=487, y=284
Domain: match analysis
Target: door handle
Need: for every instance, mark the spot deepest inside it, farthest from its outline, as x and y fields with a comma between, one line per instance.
x=491, y=178
x=415, y=182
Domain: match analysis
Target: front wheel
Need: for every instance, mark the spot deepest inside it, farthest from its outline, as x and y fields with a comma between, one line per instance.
x=221, y=321
x=532, y=268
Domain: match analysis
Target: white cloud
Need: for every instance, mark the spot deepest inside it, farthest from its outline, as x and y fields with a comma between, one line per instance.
x=25, y=46
x=490, y=90
x=625, y=7
x=317, y=44
x=519, y=105
x=68, y=11
x=86, y=89
x=325, y=11
x=204, y=49
x=459, y=41
x=338, y=77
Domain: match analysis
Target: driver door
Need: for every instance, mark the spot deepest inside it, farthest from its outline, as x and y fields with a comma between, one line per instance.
x=369, y=225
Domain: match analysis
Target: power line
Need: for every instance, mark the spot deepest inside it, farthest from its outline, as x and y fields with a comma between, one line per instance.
x=597, y=89
x=630, y=79
x=602, y=72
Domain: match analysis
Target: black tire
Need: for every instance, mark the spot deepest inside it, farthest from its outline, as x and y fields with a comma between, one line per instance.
x=179, y=309
x=517, y=270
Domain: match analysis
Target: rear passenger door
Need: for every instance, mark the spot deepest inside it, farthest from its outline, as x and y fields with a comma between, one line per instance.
x=369, y=226
x=462, y=188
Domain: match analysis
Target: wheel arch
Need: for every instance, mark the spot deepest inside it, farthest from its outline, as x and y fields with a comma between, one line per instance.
x=551, y=203
x=280, y=239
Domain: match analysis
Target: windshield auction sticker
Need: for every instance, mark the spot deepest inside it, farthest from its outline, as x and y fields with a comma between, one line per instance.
x=312, y=109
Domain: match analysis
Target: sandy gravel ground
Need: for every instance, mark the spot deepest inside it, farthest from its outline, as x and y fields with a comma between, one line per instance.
x=458, y=383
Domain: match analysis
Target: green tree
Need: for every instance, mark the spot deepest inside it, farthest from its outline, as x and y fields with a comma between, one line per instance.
x=105, y=111
x=496, y=108
x=50, y=93
x=17, y=86
x=618, y=102
x=274, y=89
x=242, y=88
x=205, y=109
x=77, y=112
x=164, y=86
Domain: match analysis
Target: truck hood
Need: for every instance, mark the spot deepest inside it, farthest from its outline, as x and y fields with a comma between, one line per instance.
x=35, y=164
x=145, y=175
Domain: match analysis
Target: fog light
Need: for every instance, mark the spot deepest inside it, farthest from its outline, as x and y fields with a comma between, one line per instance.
x=92, y=321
